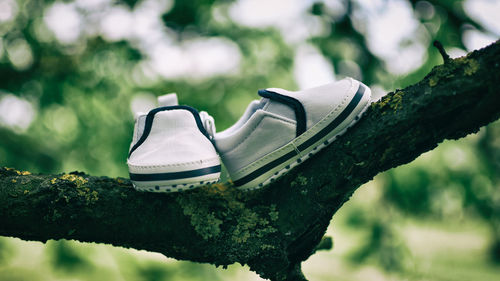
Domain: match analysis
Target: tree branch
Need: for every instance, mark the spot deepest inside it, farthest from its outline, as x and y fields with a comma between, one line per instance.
x=274, y=229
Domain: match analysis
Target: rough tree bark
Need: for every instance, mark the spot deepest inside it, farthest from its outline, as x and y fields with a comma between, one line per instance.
x=274, y=229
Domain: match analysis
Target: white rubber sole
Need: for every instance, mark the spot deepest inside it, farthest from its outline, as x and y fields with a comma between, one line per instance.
x=175, y=181
x=275, y=171
x=168, y=186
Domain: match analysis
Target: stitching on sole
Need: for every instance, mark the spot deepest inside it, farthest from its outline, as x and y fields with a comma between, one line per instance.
x=159, y=188
x=203, y=161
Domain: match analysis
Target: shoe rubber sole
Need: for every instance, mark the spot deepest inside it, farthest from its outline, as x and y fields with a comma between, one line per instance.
x=277, y=163
x=176, y=181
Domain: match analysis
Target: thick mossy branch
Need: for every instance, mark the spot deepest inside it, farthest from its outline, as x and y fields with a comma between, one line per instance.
x=274, y=229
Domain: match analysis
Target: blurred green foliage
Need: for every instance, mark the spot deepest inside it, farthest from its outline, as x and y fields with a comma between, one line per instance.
x=67, y=100
x=66, y=258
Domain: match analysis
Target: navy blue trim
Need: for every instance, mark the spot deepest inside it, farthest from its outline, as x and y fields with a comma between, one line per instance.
x=151, y=115
x=298, y=108
x=176, y=175
x=257, y=173
x=339, y=119
x=343, y=115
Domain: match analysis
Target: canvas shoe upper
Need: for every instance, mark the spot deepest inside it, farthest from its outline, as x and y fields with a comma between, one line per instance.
x=172, y=149
x=285, y=128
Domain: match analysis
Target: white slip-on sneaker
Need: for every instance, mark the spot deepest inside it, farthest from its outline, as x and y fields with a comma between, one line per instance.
x=172, y=149
x=285, y=128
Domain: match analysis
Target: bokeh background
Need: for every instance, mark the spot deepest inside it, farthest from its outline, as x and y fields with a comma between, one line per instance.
x=72, y=74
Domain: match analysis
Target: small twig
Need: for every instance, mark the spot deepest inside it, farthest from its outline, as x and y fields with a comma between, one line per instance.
x=326, y=243
x=443, y=53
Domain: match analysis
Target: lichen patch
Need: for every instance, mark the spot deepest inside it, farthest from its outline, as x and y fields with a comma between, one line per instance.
x=394, y=101
x=204, y=222
x=78, y=180
x=433, y=81
x=90, y=196
x=471, y=67
x=250, y=223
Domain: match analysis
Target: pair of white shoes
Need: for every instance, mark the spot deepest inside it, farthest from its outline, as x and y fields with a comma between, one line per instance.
x=175, y=147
